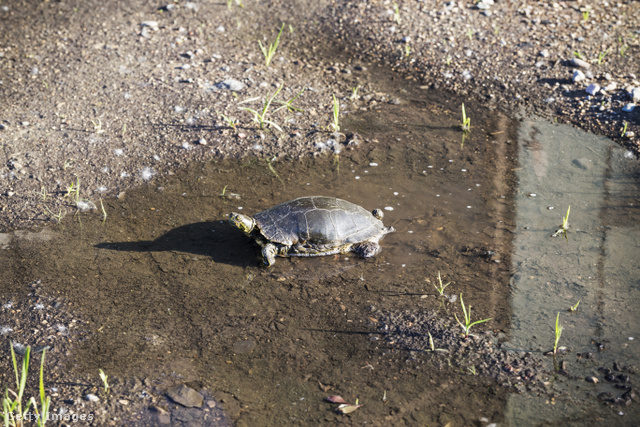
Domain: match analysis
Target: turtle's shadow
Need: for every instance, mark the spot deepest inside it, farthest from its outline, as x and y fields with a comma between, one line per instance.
x=218, y=240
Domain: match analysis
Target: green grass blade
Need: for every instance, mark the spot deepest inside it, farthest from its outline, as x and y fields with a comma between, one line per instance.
x=44, y=401
x=480, y=321
x=273, y=124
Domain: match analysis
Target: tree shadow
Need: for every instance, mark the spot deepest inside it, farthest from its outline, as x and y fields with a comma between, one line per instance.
x=217, y=240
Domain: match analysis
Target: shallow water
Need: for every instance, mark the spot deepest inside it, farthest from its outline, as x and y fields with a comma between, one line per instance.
x=171, y=293
x=597, y=265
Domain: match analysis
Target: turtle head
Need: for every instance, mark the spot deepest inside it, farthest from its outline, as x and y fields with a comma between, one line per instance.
x=243, y=222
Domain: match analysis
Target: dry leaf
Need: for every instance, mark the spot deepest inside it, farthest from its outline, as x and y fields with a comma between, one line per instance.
x=347, y=408
x=335, y=399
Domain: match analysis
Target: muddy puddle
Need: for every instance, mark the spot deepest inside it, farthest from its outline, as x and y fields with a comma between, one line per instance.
x=165, y=292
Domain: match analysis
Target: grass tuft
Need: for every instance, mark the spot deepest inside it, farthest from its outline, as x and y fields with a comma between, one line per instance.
x=105, y=381
x=467, y=319
x=289, y=104
x=574, y=307
x=261, y=117
x=558, y=333
x=440, y=287
x=14, y=414
x=336, y=115
x=103, y=217
x=466, y=121
x=565, y=225
x=270, y=52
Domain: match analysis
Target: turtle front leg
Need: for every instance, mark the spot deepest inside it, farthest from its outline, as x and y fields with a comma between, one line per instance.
x=366, y=249
x=269, y=252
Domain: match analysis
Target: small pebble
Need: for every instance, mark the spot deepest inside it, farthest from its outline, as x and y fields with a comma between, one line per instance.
x=84, y=206
x=593, y=89
x=580, y=63
x=628, y=108
x=578, y=76
x=153, y=25
x=92, y=398
x=231, y=84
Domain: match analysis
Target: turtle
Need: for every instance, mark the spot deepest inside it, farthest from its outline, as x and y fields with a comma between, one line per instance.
x=314, y=226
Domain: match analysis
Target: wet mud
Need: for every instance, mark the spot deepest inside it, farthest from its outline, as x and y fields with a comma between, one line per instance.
x=172, y=294
x=166, y=293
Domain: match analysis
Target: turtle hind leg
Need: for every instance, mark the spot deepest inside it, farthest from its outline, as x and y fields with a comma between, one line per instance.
x=269, y=252
x=366, y=249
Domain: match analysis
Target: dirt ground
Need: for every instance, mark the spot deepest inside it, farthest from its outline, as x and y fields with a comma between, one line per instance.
x=97, y=99
x=105, y=95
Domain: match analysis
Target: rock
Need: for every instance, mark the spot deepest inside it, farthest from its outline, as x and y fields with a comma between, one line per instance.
x=231, y=84
x=593, y=380
x=577, y=62
x=578, y=76
x=593, y=89
x=629, y=107
x=92, y=398
x=85, y=205
x=185, y=396
x=152, y=25
x=635, y=94
x=544, y=53
x=611, y=87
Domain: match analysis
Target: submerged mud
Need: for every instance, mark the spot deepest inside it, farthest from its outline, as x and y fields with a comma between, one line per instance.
x=171, y=294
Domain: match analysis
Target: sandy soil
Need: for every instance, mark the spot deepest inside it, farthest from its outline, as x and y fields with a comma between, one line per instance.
x=100, y=97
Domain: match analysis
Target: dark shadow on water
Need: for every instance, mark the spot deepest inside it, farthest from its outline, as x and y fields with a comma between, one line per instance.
x=217, y=240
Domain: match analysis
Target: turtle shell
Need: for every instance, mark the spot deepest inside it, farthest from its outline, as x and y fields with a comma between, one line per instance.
x=322, y=222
